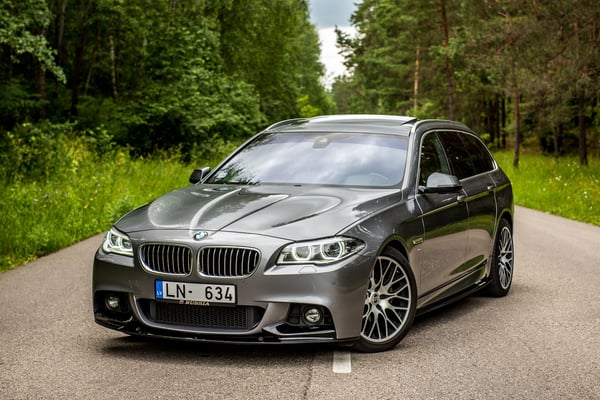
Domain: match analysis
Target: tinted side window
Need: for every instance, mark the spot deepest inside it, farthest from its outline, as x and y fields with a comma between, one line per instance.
x=480, y=157
x=458, y=156
x=432, y=159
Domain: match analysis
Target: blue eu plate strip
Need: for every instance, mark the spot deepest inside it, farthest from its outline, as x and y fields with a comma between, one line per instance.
x=159, y=289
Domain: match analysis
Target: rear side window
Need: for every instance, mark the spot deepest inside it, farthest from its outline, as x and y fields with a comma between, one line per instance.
x=466, y=154
x=480, y=157
x=458, y=156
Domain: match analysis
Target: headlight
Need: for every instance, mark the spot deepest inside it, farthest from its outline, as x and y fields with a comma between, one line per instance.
x=324, y=251
x=118, y=243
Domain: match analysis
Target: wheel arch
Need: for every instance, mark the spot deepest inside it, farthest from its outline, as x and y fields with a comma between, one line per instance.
x=396, y=244
x=508, y=217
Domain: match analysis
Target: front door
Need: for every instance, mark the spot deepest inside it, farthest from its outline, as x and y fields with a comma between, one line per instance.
x=445, y=219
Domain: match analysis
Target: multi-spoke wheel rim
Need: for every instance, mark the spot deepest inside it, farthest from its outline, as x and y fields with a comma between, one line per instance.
x=505, y=258
x=388, y=301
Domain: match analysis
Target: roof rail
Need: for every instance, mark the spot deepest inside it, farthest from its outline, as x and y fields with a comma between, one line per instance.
x=286, y=122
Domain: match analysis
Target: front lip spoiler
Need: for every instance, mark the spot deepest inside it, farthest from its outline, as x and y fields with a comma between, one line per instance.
x=132, y=326
x=266, y=339
x=113, y=323
x=260, y=340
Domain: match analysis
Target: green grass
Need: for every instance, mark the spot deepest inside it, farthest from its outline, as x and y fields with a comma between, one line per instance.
x=560, y=187
x=38, y=218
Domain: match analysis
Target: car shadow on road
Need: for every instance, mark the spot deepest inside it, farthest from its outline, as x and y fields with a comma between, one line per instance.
x=175, y=351
x=179, y=351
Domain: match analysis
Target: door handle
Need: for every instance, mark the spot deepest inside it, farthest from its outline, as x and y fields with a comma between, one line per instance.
x=490, y=188
x=461, y=198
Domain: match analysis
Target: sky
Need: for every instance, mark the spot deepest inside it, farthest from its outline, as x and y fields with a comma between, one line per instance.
x=326, y=15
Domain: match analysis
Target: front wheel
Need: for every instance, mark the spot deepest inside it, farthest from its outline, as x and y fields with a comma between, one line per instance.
x=501, y=272
x=390, y=303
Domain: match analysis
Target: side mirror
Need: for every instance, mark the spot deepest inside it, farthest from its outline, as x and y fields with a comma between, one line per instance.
x=438, y=182
x=199, y=174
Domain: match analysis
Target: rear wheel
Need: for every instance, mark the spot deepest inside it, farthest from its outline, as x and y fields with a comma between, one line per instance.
x=390, y=303
x=502, y=261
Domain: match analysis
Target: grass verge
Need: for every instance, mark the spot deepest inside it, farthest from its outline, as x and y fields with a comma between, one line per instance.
x=41, y=217
x=560, y=187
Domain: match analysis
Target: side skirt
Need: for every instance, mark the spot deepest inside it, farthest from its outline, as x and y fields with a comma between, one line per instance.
x=452, y=298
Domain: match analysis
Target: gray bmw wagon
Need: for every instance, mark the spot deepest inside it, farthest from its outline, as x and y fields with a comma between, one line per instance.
x=328, y=229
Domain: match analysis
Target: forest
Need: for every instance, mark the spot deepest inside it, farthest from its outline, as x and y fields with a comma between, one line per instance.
x=189, y=74
x=194, y=75
x=526, y=70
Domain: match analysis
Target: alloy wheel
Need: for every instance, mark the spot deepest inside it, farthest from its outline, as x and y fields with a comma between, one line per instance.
x=388, y=301
x=505, y=258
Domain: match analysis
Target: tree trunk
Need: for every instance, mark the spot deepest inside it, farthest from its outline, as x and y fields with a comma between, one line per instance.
x=416, y=86
x=557, y=132
x=41, y=81
x=583, y=160
x=91, y=68
x=581, y=106
x=503, y=123
x=60, y=38
x=516, y=96
x=492, y=118
x=80, y=46
x=113, y=65
x=449, y=74
x=516, y=93
x=61, y=32
x=76, y=77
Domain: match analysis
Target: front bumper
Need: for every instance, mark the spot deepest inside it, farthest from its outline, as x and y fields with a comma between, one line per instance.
x=269, y=307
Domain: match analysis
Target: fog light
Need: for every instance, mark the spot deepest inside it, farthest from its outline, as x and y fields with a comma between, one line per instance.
x=312, y=315
x=113, y=302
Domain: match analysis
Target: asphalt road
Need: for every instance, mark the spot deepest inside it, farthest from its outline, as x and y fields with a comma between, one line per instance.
x=542, y=341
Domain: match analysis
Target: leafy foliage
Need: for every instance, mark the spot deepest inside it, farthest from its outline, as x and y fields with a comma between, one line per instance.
x=164, y=74
x=21, y=30
x=524, y=66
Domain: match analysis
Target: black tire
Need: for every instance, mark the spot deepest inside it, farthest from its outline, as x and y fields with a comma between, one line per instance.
x=502, y=268
x=390, y=303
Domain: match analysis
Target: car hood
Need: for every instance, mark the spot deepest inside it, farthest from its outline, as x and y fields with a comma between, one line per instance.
x=290, y=212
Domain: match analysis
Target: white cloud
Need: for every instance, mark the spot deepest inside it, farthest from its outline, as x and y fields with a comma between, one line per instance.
x=326, y=15
x=330, y=56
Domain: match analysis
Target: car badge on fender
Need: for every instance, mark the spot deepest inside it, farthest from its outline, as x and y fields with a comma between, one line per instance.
x=200, y=235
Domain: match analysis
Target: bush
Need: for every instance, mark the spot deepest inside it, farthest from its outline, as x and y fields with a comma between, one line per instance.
x=60, y=185
x=34, y=152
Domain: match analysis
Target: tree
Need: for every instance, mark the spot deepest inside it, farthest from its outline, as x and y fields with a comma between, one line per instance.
x=272, y=45
x=530, y=64
x=396, y=56
x=184, y=74
x=23, y=42
x=22, y=28
x=449, y=72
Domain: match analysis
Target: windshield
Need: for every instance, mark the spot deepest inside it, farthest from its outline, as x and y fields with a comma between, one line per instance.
x=348, y=159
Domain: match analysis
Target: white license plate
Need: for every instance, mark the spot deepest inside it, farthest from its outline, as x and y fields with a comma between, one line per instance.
x=195, y=292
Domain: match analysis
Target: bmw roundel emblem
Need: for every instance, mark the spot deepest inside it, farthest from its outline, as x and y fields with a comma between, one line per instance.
x=200, y=235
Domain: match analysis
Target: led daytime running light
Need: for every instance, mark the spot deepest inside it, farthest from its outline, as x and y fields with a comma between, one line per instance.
x=326, y=251
x=117, y=243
